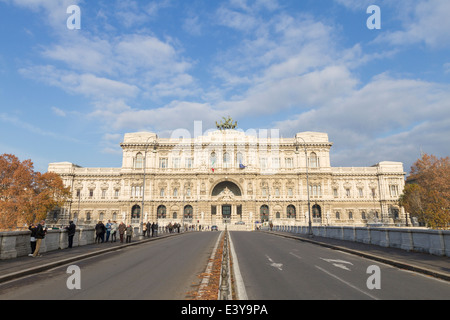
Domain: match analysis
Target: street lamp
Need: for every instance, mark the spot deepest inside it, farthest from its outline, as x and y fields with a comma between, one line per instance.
x=141, y=216
x=310, y=233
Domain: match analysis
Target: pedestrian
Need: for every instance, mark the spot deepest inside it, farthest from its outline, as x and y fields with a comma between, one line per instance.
x=41, y=231
x=122, y=228
x=33, y=229
x=113, y=231
x=108, y=230
x=144, y=228
x=149, y=227
x=70, y=233
x=129, y=233
x=100, y=230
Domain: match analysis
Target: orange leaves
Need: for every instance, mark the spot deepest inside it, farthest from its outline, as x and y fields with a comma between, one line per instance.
x=25, y=195
x=427, y=192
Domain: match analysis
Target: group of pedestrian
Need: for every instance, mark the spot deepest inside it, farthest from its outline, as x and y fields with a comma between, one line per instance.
x=110, y=231
x=147, y=227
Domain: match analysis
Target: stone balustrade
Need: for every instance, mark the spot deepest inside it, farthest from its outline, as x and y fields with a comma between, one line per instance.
x=435, y=242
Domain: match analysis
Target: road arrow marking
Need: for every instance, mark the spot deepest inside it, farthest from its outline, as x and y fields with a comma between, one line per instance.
x=274, y=264
x=338, y=263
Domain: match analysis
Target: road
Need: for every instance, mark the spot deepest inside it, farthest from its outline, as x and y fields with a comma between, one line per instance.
x=166, y=269
x=272, y=268
x=277, y=268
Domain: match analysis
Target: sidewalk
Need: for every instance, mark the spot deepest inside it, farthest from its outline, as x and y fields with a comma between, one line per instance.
x=428, y=264
x=22, y=266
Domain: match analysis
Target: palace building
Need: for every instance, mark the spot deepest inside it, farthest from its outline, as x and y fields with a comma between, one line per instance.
x=233, y=178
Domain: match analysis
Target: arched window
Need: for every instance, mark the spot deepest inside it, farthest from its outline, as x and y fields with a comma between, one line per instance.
x=188, y=211
x=317, y=213
x=290, y=212
x=135, y=213
x=264, y=213
x=161, y=212
x=139, y=161
x=313, y=160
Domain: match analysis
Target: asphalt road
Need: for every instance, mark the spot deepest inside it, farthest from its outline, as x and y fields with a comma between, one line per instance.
x=277, y=268
x=271, y=268
x=166, y=269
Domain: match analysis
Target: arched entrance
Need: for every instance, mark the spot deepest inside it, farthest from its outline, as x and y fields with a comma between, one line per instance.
x=225, y=196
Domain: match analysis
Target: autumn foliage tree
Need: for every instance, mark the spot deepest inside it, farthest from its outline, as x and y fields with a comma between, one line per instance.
x=427, y=191
x=27, y=196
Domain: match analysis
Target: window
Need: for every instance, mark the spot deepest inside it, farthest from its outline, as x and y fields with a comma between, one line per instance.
x=263, y=163
x=275, y=163
x=290, y=192
x=347, y=192
x=101, y=216
x=277, y=191
x=226, y=160
x=313, y=160
x=335, y=192
x=393, y=189
x=175, y=163
x=161, y=192
x=315, y=190
x=289, y=162
x=114, y=216
x=290, y=212
x=103, y=193
x=212, y=159
x=363, y=215
x=91, y=193
x=374, y=193
x=350, y=215
x=163, y=163
x=361, y=193
x=78, y=193
x=116, y=193
x=135, y=213
x=189, y=163
x=175, y=192
x=239, y=159
x=161, y=212
x=88, y=216
x=139, y=161
x=338, y=215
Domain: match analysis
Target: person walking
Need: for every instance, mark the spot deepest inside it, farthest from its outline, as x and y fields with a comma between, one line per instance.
x=33, y=229
x=100, y=230
x=149, y=227
x=122, y=228
x=113, y=231
x=129, y=233
x=41, y=231
x=70, y=233
x=108, y=230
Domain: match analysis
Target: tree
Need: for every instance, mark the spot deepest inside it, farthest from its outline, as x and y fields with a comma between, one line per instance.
x=427, y=191
x=25, y=195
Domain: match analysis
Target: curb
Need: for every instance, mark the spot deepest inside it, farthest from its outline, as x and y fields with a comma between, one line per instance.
x=392, y=262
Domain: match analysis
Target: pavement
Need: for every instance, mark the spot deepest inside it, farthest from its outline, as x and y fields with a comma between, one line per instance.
x=23, y=266
x=431, y=265
x=435, y=266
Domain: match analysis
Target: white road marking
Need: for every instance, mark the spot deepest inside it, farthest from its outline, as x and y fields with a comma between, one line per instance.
x=293, y=254
x=338, y=263
x=347, y=283
x=239, y=282
x=274, y=264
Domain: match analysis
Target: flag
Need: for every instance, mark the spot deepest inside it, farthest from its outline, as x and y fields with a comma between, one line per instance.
x=241, y=166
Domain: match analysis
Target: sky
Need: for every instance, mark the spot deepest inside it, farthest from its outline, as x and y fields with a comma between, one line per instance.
x=70, y=94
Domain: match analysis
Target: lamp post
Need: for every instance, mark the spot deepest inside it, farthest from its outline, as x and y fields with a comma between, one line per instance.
x=141, y=216
x=310, y=233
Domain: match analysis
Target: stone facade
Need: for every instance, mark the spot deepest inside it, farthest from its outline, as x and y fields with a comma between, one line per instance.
x=234, y=178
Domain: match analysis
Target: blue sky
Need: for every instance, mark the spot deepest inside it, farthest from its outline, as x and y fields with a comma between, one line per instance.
x=293, y=65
